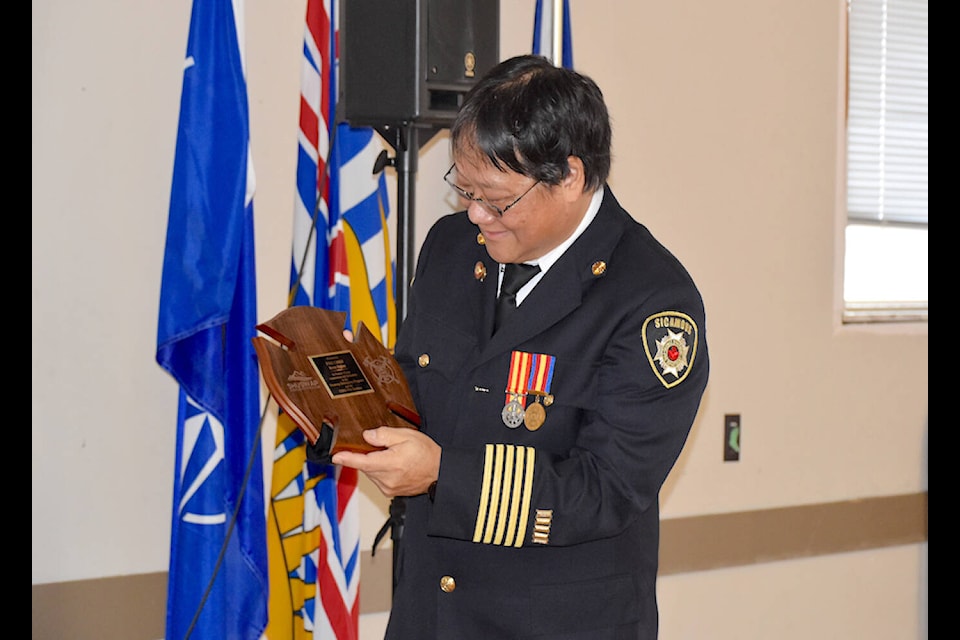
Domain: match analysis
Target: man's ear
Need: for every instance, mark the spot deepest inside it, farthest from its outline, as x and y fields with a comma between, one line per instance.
x=574, y=181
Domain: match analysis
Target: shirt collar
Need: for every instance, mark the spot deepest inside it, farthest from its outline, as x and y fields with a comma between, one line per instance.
x=546, y=261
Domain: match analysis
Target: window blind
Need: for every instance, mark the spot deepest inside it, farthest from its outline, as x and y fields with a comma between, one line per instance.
x=887, y=112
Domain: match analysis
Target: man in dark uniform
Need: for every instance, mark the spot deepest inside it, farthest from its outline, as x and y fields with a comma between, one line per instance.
x=534, y=478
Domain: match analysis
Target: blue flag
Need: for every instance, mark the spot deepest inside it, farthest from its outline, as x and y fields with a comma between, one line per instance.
x=551, y=27
x=218, y=560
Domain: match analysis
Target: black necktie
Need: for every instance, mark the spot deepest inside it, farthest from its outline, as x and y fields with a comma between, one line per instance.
x=514, y=277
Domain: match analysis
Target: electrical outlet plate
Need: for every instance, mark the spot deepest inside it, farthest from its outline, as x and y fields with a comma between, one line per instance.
x=731, y=437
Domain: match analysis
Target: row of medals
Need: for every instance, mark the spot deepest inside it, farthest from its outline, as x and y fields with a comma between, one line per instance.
x=532, y=417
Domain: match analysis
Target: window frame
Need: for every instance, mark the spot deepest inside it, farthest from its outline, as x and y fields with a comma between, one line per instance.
x=901, y=86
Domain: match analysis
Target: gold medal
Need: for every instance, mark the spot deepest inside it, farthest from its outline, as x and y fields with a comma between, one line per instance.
x=534, y=416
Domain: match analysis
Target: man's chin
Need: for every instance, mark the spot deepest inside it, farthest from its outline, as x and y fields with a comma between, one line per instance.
x=495, y=249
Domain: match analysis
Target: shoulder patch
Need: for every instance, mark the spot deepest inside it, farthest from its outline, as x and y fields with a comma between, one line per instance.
x=670, y=342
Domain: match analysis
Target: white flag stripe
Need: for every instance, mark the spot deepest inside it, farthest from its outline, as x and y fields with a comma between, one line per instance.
x=309, y=75
x=302, y=223
x=374, y=258
x=546, y=29
x=357, y=182
x=306, y=146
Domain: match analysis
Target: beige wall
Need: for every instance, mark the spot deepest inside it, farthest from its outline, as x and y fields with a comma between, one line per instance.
x=727, y=141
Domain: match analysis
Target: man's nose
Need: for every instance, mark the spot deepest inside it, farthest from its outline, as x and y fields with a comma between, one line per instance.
x=479, y=214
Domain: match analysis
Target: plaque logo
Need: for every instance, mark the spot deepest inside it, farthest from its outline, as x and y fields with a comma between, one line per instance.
x=299, y=381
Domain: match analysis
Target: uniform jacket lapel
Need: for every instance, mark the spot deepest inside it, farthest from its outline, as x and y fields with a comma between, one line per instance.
x=562, y=288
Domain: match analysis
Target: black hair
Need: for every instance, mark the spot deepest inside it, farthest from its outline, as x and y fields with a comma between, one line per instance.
x=529, y=116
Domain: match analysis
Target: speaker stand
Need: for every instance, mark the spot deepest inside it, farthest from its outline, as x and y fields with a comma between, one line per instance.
x=406, y=140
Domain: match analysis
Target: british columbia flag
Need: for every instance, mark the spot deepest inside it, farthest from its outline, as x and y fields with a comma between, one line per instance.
x=340, y=261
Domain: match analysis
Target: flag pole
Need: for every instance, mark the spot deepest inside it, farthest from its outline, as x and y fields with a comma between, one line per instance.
x=557, y=42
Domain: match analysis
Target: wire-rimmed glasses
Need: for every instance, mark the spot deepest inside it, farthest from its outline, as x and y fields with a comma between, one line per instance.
x=489, y=206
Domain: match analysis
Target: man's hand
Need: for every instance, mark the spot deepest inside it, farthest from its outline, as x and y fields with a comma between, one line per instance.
x=406, y=467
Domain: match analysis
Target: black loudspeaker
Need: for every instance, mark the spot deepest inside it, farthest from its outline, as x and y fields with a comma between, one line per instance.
x=412, y=61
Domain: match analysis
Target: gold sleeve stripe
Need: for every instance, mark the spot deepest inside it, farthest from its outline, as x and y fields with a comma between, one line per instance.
x=515, y=500
x=494, y=499
x=527, y=492
x=482, y=510
x=504, y=498
x=505, y=493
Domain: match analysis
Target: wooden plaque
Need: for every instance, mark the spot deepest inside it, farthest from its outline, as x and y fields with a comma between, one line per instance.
x=333, y=389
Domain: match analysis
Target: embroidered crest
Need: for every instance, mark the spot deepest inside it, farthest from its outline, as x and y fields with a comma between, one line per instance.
x=670, y=341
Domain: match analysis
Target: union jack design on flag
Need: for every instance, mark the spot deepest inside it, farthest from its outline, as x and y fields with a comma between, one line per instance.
x=340, y=238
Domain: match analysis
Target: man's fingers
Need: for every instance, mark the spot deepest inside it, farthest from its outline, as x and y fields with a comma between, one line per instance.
x=346, y=458
x=381, y=437
x=388, y=436
x=360, y=460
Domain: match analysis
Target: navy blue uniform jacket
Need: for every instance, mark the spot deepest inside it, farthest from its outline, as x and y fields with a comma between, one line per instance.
x=553, y=532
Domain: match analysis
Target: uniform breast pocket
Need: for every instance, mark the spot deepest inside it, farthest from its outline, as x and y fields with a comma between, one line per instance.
x=566, y=406
x=574, y=385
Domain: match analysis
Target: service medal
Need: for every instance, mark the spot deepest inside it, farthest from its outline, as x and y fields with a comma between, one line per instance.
x=531, y=374
x=534, y=416
x=516, y=398
x=512, y=414
x=538, y=385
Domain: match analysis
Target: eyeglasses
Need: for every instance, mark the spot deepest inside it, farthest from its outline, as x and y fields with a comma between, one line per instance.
x=489, y=206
